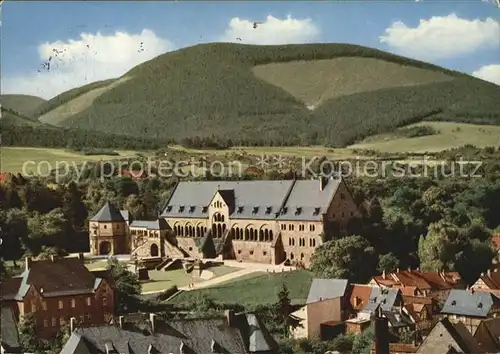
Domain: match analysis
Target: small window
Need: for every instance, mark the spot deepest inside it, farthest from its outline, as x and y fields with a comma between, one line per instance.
x=33, y=306
x=264, y=253
x=62, y=321
x=89, y=317
x=343, y=214
x=283, y=226
x=352, y=213
x=105, y=226
x=190, y=248
x=82, y=318
x=104, y=301
x=44, y=305
x=251, y=252
x=342, y=196
x=89, y=301
x=54, y=321
x=239, y=251
x=312, y=227
x=73, y=303
x=45, y=323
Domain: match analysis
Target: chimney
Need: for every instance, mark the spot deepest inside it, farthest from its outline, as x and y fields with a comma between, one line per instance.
x=28, y=262
x=120, y=321
x=52, y=258
x=397, y=270
x=230, y=317
x=381, y=333
x=152, y=319
x=489, y=272
x=109, y=347
x=183, y=348
x=418, y=269
x=322, y=183
x=409, y=269
x=81, y=257
x=213, y=346
x=383, y=274
x=72, y=324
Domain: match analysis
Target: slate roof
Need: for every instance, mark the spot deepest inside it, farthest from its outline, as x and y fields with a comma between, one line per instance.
x=63, y=276
x=197, y=336
x=265, y=200
x=326, y=289
x=469, y=303
x=10, y=336
x=312, y=201
x=159, y=224
x=458, y=338
x=385, y=297
x=108, y=212
x=488, y=335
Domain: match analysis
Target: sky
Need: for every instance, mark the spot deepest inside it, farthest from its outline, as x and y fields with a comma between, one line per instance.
x=96, y=40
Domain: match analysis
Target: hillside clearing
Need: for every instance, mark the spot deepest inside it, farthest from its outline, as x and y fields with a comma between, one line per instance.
x=450, y=135
x=80, y=103
x=316, y=81
x=13, y=159
x=25, y=105
x=252, y=290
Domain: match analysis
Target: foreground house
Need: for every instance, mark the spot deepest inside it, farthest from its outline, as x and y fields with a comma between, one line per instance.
x=471, y=307
x=324, y=309
x=260, y=221
x=416, y=283
x=488, y=335
x=235, y=333
x=57, y=289
x=448, y=338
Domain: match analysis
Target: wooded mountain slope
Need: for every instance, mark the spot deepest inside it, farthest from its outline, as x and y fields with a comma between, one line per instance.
x=332, y=94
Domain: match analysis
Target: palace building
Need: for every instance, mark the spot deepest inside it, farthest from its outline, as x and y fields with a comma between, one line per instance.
x=270, y=221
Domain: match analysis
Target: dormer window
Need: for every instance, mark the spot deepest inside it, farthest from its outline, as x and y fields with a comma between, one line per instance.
x=255, y=209
x=268, y=210
x=181, y=209
x=453, y=303
x=191, y=208
x=240, y=209
x=316, y=211
x=480, y=305
x=285, y=210
x=298, y=210
x=169, y=208
x=205, y=209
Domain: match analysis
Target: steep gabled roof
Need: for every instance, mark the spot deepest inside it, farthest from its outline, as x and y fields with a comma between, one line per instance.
x=108, y=212
x=326, y=289
x=58, y=277
x=446, y=335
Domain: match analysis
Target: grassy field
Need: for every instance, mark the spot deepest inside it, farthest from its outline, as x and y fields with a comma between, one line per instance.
x=357, y=92
x=252, y=290
x=161, y=280
x=13, y=158
x=450, y=135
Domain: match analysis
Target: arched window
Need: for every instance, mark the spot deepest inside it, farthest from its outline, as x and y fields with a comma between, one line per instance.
x=301, y=256
x=186, y=230
x=219, y=230
x=291, y=255
x=222, y=218
x=261, y=235
x=266, y=235
x=270, y=235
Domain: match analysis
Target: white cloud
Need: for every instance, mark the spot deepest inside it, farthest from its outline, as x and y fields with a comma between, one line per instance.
x=271, y=31
x=442, y=37
x=489, y=73
x=90, y=58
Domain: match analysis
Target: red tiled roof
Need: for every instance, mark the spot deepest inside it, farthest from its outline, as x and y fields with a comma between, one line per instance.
x=417, y=300
x=399, y=348
x=495, y=241
x=419, y=280
x=134, y=174
x=359, y=296
x=4, y=176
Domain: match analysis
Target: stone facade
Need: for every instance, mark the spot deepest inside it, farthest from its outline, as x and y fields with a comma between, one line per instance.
x=258, y=221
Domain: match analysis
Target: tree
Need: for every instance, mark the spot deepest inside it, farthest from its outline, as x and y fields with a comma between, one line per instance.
x=27, y=334
x=387, y=263
x=283, y=310
x=127, y=283
x=351, y=258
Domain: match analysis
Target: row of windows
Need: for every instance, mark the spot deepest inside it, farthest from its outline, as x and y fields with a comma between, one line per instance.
x=72, y=304
x=302, y=242
x=291, y=227
x=190, y=231
x=251, y=234
x=217, y=204
x=61, y=321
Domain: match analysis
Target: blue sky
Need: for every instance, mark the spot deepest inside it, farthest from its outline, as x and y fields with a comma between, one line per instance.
x=466, y=41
